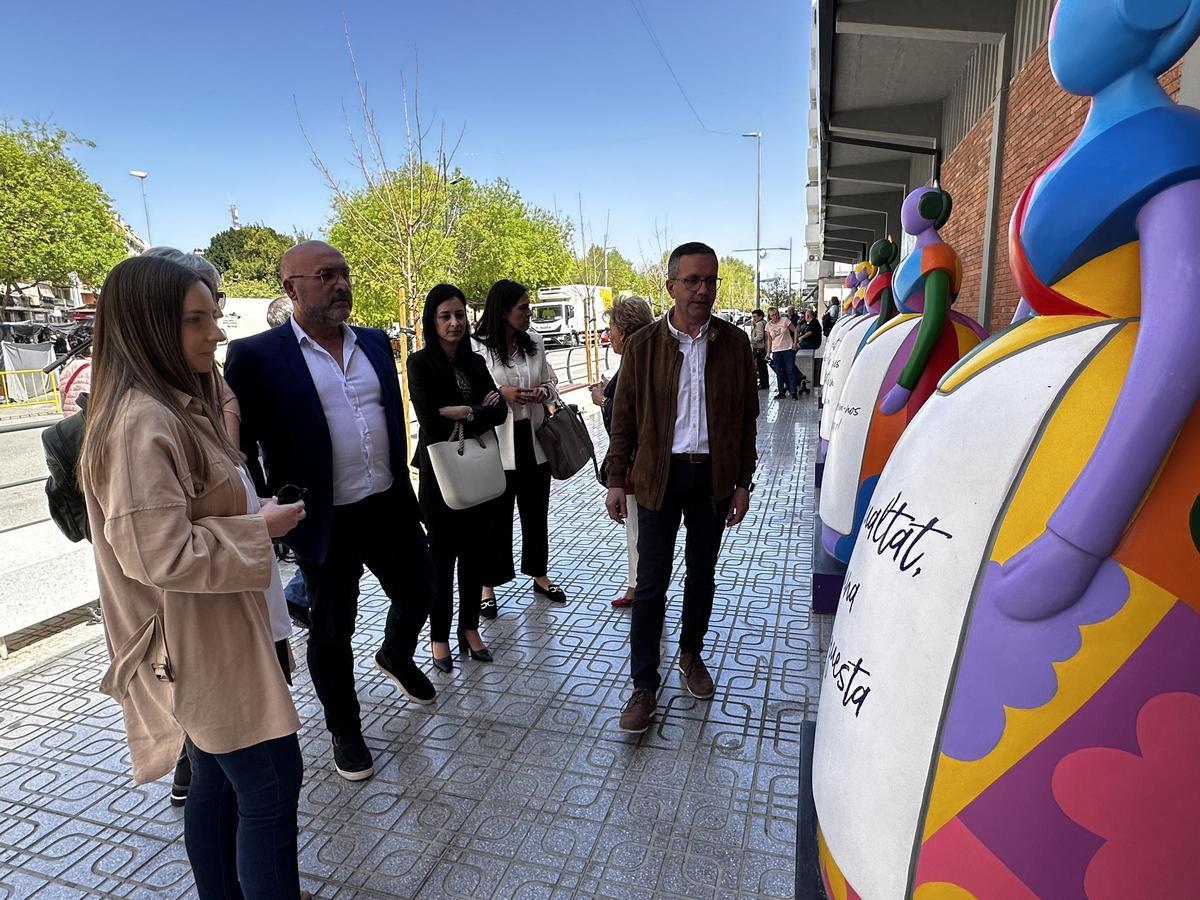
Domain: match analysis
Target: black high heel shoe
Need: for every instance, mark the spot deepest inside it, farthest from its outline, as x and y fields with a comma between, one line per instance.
x=484, y=655
x=443, y=665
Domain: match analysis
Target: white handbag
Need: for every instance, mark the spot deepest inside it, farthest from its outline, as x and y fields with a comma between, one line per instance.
x=468, y=469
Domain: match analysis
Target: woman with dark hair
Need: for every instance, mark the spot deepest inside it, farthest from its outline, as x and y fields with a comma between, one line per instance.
x=449, y=384
x=517, y=361
x=183, y=565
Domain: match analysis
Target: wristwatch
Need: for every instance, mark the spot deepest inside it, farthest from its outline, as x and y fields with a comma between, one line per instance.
x=471, y=415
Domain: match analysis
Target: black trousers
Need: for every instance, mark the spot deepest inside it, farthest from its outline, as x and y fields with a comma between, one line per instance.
x=529, y=490
x=455, y=536
x=760, y=364
x=376, y=533
x=688, y=497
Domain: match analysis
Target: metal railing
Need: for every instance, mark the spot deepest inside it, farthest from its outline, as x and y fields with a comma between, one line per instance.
x=571, y=362
x=29, y=387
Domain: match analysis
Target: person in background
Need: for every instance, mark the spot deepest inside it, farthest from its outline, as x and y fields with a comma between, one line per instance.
x=758, y=343
x=829, y=319
x=321, y=402
x=278, y=312
x=688, y=405
x=627, y=316
x=449, y=385
x=781, y=344
x=516, y=359
x=810, y=331
x=184, y=561
x=808, y=340
x=74, y=380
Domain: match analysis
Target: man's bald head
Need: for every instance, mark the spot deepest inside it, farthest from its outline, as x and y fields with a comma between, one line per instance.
x=294, y=259
x=316, y=278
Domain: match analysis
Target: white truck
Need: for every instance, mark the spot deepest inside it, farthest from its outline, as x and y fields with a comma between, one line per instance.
x=563, y=314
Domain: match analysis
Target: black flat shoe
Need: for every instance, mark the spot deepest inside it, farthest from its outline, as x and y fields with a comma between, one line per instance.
x=554, y=592
x=484, y=655
x=443, y=665
x=487, y=607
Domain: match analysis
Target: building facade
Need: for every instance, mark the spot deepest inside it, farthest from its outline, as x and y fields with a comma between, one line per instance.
x=906, y=92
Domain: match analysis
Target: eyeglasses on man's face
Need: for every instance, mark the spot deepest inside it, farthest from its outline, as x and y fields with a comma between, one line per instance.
x=693, y=282
x=329, y=276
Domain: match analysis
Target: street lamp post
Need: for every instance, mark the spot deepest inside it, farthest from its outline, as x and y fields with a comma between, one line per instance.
x=141, y=177
x=757, y=135
x=762, y=251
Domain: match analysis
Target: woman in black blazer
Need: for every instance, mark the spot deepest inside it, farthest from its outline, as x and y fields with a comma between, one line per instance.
x=448, y=383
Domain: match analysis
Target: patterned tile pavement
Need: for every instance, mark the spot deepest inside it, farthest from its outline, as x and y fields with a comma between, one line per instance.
x=516, y=783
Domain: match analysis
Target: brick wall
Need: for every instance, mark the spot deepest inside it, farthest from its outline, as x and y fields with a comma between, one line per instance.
x=1042, y=120
x=965, y=176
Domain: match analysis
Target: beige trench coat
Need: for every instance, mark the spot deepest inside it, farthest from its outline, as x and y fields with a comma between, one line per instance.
x=182, y=570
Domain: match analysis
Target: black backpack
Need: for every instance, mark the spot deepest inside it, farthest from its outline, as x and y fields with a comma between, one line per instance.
x=62, y=443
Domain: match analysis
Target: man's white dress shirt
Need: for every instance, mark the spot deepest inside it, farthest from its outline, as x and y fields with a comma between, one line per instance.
x=352, y=399
x=691, y=412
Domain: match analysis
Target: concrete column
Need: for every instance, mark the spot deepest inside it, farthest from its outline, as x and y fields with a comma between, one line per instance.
x=1189, y=88
x=991, y=218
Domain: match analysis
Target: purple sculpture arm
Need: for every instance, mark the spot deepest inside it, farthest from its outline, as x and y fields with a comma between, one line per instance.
x=1160, y=390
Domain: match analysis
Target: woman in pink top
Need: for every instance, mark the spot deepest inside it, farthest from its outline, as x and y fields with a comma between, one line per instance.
x=781, y=344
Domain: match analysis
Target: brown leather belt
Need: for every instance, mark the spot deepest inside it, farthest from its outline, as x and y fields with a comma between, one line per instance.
x=693, y=458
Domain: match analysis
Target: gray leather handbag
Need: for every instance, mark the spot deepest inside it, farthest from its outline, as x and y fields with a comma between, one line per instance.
x=566, y=442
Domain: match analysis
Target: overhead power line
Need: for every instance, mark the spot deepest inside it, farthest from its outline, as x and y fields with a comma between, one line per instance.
x=641, y=14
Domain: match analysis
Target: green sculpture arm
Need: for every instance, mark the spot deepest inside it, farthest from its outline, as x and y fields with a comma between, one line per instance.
x=887, y=307
x=937, y=305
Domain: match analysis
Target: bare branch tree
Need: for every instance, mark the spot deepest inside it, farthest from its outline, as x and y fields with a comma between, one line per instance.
x=399, y=221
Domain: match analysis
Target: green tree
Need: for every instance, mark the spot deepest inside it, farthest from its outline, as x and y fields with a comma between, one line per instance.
x=397, y=234
x=499, y=235
x=248, y=259
x=737, y=284
x=53, y=219
x=611, y=268
x=776, y=292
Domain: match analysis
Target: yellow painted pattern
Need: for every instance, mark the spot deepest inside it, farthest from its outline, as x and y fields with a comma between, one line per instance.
x=1110, y=283
x=1106, y=646
x=837, y=881
x=1067, y=444
x=893, y=322
x=940, y=890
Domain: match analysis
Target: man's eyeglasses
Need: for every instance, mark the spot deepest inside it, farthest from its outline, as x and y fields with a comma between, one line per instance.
x=693, y=282
x=329, y=276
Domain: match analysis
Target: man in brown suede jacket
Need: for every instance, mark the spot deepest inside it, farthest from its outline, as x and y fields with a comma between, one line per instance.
x=685, y=419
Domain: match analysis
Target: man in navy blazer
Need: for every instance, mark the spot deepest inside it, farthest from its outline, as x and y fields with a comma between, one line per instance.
x=320, y=401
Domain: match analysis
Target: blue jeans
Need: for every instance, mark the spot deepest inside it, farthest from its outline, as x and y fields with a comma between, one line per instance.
x=240, y=821
x=784, y=363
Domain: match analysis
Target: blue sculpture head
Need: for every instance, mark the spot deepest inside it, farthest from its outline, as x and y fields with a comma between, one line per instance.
x=1094, y=43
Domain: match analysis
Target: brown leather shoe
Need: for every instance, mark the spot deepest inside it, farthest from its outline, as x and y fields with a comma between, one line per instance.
x=695, y=675
x=637, y=712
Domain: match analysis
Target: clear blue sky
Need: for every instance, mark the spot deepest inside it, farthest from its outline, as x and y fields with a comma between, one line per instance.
x=561, y=97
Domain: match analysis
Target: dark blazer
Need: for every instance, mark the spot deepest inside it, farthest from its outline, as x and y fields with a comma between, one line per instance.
x=282, y=418
x=431, y=385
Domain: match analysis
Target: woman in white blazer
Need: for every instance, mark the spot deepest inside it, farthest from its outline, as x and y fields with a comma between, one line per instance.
x=517, y=361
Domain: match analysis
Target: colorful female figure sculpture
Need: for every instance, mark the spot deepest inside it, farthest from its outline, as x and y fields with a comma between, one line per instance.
x=881, y=299
x=839, y=355
x=896, y=372
x=1012, y=702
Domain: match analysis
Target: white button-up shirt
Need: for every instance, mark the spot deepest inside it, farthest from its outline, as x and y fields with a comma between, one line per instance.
x=352, y=399
x=691, y=410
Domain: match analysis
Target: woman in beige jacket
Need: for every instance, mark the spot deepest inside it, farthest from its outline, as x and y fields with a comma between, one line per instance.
x=182, y=568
